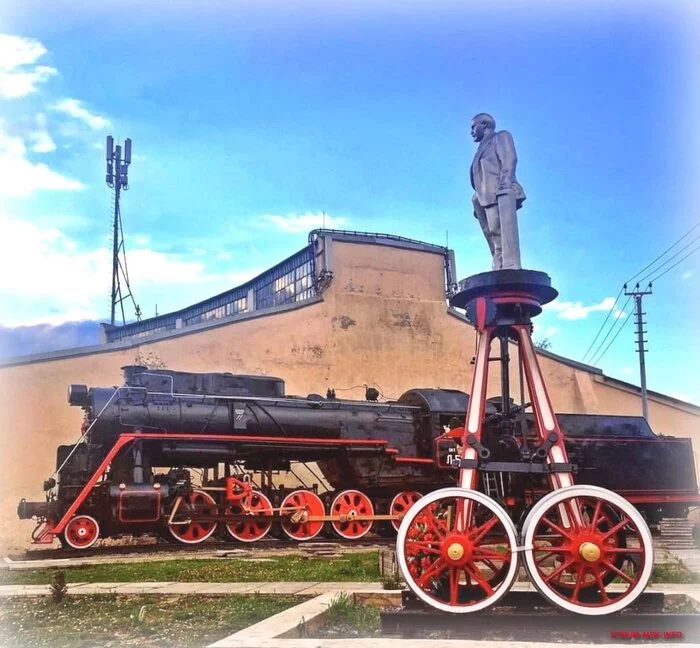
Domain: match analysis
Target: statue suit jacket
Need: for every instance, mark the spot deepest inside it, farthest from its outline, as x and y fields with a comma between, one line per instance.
x=493, y=165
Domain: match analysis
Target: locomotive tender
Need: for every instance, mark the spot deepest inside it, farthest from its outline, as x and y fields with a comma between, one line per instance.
x=185, y=455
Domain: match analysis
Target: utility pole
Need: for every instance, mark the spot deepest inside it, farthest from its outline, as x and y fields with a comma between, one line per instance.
x=117, y=179
x=638, y=295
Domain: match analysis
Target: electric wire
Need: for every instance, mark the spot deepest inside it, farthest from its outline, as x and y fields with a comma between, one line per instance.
x=615, y=336
x=602, y=326
x=693, y=251
x=607, y=335
x=670, y=259
x=662, y=254
x=646, y=267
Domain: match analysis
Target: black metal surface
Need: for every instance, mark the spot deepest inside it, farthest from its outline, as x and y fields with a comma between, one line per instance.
x=527, y=616
x=486, y=284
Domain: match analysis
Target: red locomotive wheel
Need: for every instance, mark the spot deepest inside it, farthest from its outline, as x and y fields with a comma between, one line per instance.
x=581, y=539
x=348, y=505
x=197, y=503
x=81, y=532
x=400, y=505
x=257, y=522
x=456, y=549
x=295, y=511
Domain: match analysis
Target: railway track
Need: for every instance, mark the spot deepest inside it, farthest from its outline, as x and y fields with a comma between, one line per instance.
x=206, y=547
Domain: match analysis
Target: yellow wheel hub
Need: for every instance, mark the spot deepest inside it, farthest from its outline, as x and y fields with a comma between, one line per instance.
x=589, y=551
x=455, y=551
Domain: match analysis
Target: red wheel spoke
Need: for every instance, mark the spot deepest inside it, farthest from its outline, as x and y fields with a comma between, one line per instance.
x=437, y=567
x=623, y=550
x=580, y=575
x=559, y=570
x=619, y=572
x=601, y=585
x=478, y=578
x=423, y=545
x=454, y=585
x=557, y=528
x=617, y=527
x=481, y=531
x=481, y=552
x=596, y=514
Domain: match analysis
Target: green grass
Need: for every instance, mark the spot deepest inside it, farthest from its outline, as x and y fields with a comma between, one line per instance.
x=345, y=618
x=675, y=572
x=351, y=567
x=144, y=621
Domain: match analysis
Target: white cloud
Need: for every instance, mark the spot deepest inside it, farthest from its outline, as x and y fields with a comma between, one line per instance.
x=21, y=177
x=687, y=275
x=626, y=371
x=75, y=108
x=576, y=310
x=41, y=265
x=17, y=76
x=295, y=223
x=40, y=138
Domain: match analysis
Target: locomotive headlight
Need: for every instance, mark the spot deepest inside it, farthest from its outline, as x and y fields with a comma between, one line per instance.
x=78, y=395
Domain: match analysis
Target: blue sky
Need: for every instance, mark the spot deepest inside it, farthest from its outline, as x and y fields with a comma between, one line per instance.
x=250, y=119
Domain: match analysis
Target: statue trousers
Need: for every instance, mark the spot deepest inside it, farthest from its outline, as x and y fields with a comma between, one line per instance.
x=499, y=223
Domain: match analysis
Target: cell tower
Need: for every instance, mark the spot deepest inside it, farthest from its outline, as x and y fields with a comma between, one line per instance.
x=117, y=179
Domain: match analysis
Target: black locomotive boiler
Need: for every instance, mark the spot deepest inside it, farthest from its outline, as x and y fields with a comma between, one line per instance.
x=187, y=455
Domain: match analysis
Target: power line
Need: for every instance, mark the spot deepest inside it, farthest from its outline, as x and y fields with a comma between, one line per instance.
x=607, y=335
x=663, y=254
x=602, y=326
x=614, y=338
x=685, y=247
x=693, y=251
x=612, y=308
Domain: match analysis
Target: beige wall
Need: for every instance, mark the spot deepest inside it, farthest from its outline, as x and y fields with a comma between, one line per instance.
x=383, y=320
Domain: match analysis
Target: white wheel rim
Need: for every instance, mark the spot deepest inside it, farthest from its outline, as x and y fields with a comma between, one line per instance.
x=81, y=532
x=291, y=533
x=175, y=527
x=500, y=590
x=337, y=526
x=230, y=528
x=531, y=524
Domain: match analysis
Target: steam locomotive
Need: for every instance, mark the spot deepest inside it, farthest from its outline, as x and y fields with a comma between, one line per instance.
x=187, y=455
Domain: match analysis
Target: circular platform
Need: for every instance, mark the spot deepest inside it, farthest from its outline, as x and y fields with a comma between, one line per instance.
x=533, y=283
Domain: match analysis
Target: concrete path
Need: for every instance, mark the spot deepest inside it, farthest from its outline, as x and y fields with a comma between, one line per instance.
x=208, y=589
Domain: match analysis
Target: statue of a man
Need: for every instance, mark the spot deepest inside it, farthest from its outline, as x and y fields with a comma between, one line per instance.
x=497, y=194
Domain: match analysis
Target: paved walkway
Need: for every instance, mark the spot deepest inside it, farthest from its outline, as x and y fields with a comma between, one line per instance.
x=308, y=588
x=208, y=589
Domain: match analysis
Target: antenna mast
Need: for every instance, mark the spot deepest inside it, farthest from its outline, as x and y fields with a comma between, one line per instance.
x=117, y=179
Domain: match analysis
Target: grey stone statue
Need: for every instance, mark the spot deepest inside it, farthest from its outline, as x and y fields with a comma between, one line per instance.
x=497, y=194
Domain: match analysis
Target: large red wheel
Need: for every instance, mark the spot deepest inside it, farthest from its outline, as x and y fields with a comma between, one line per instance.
x=81, y=532
x=348, y=506
x=295, y=511
x=580, y=539
x=197, y=503
x=457, y=550
x=257, y=518
x=400, y=505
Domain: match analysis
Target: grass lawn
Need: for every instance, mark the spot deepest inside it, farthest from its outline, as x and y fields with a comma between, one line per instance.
x=109, y=621
x=350, y=567
x=345, y=618
x=673, y=573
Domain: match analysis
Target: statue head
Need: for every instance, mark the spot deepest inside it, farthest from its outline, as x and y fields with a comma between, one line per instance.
x=482, y=123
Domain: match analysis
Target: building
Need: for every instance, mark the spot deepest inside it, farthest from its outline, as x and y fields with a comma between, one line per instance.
x=347, y=310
